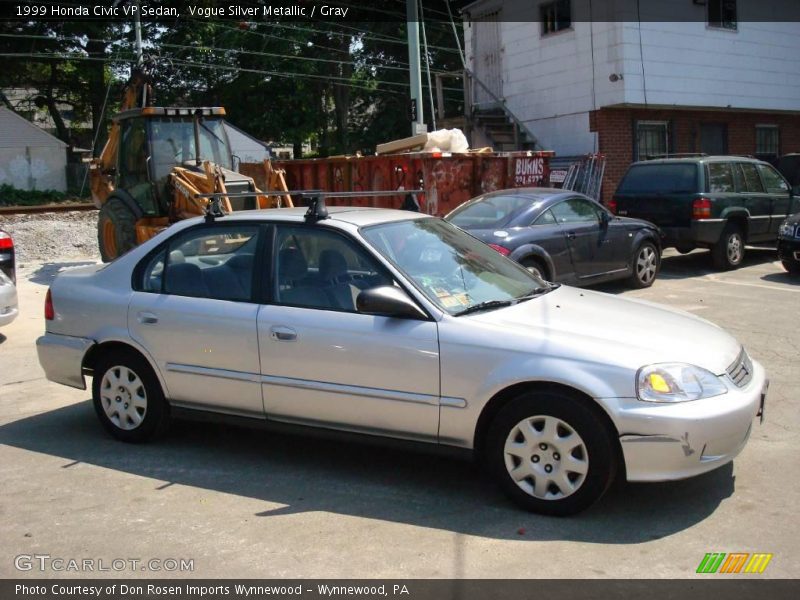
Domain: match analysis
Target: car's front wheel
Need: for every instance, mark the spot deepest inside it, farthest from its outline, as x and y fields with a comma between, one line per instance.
x=646, y=262
x=128, y=398
x=549, y=453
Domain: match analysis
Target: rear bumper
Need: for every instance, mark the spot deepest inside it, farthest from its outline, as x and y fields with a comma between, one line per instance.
x=8, y=304
x=701, y=232
x=61, y=357
x=682, y=440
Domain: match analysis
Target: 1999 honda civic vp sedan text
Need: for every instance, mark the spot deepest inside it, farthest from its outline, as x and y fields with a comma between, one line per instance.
x=400, y=325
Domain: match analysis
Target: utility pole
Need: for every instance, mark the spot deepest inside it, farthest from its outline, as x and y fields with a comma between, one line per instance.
x=137, y=27
x=416, y=110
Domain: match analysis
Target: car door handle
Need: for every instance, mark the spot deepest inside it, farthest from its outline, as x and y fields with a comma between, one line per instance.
x=283, y=334
x=147, y=318
x=570, y=235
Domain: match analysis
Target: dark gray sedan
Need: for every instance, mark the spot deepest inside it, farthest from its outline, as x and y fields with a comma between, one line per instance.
x=563, y=236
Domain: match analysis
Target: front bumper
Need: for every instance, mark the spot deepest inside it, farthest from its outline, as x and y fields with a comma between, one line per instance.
x=789, y=249
x=61, y=357
x=662, y=442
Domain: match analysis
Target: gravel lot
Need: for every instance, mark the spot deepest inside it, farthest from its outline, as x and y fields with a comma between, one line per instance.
x=41, y=237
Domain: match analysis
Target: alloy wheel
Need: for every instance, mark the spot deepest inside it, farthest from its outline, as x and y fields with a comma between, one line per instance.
x=646, y=264
x=734, y=249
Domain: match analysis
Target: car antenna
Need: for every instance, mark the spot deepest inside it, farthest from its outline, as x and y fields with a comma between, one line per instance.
x=317, y=211
x=214, y=209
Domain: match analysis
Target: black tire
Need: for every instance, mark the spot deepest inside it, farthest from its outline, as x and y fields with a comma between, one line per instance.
x=791, y=266
x=116, y=229
x=536, y=266
x=728, y=252
x=597, y=455
x=645, y=265
x=154, y=416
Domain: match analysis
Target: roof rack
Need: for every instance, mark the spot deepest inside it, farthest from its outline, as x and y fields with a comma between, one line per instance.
x=674, y=155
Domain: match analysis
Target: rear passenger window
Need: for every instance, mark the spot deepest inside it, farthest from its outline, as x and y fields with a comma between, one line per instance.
x=772, y=180
x=751, y=178
x=210, y=262
x=720, y=178
x=546, y=218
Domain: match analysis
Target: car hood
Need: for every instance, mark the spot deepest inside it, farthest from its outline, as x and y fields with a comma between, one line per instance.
x=599, y=327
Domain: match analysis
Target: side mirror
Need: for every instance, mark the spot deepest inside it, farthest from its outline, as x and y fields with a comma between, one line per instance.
x=388, y=301
x=604, y=218
x=236, y=162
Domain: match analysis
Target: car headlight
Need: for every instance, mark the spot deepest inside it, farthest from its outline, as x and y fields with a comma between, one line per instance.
x=786, y=230
x=677, y=382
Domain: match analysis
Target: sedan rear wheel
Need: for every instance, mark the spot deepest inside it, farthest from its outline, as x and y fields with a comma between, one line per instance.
x=645, y=265
x=550, y=454
x=128, y=398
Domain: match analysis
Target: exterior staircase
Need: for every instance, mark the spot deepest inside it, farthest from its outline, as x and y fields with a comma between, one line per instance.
x=502, y=131
x=490, y=121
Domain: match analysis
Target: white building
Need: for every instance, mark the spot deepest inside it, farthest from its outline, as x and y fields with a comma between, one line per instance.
x=30, y=158
x=634, y=79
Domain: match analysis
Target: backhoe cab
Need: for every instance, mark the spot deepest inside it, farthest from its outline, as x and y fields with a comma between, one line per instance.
x=161, y=165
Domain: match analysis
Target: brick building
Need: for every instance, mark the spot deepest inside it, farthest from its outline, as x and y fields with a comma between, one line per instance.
x=634, y=80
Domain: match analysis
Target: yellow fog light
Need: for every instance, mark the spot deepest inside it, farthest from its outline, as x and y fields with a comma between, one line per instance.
x=659, y=384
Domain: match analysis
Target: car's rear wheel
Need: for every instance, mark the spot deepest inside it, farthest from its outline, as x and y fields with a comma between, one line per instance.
x=728, y=252
x=116, y=229
x=128, y=398
x=549, y=453
x=646, y=262
x=535, y=266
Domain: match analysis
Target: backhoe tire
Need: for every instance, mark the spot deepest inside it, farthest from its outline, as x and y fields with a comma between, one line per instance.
x=116, y=229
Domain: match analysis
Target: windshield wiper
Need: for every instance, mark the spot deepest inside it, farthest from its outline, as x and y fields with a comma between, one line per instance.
x=490, y=304
x=487, y=305
x=538, y=292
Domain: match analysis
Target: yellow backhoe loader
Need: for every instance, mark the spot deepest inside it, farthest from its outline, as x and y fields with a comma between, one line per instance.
x=161, y=165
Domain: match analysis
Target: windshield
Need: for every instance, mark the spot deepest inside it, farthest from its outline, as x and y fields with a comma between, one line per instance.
x=454, y=270
x=492, y=212
x=173, y=143
x=660, y=179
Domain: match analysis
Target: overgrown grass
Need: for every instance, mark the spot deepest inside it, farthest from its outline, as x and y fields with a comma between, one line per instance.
x=11, y=196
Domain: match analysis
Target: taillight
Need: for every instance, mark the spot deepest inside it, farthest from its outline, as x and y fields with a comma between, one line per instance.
x=701, y=208
x=49, y=312
x=6, y=243
x=500, y=249
x=612, y=205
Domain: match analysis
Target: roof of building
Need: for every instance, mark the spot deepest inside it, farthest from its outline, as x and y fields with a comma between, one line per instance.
x=18, y=132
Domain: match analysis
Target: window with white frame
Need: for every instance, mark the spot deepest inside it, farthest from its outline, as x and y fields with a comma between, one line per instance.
x=555, y=16
x=767, y=141
x=722, y=14
x=652, y=139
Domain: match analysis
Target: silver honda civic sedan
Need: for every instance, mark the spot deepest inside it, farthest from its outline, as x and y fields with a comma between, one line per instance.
x=396, y=324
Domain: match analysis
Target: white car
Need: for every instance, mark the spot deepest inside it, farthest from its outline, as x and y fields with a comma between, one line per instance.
x=397, y=324
x=8, y=290
x=8, y=300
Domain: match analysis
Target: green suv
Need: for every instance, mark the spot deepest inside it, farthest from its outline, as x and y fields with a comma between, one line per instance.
x=715, y=202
